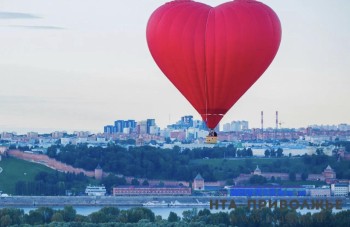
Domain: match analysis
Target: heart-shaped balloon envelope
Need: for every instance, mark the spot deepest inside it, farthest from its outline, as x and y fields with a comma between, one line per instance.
x=213, y=55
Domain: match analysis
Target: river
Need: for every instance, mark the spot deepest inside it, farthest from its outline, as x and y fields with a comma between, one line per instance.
x=162, y=211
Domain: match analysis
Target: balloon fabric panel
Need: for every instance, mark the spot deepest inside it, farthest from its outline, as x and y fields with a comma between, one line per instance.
x=213, y=55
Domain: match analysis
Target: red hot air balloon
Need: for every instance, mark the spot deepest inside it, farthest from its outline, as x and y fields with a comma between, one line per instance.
x=213, y=55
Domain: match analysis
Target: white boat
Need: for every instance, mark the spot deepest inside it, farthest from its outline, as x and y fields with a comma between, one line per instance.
x=156, y=204
x=194, y=204
x=174, y=204
x=95, y=190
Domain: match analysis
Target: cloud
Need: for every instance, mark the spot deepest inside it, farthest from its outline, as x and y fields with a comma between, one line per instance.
x=14, y=15
x=36, y=27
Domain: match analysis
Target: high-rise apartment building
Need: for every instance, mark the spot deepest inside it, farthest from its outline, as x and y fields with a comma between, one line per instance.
x=227, y=127
x=130, y=124
x=150, y=123
x=119, y=126
x=142, y=127
x=187, y=121
x=108, y=129
x=238, y=126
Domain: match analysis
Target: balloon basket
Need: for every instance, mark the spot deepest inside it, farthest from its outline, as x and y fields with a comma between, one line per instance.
x=211, y=139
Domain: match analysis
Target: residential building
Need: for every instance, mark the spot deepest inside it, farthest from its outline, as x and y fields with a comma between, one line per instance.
x=32, y=135
x=109, y=129
x=150, y=123
x=82, y=134
x=226, y=127
x=57, y=135
x=187, y=121
x=142, y=127
x=119, y=126
x=340, y=189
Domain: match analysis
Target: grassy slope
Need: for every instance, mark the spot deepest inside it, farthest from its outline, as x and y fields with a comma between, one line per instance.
x=15, y=170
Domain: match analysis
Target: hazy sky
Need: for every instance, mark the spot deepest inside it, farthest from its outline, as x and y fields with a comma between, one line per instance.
x=81, y=64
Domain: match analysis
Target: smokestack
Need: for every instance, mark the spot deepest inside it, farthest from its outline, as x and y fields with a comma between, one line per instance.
x=276, y=119
x=262, y=120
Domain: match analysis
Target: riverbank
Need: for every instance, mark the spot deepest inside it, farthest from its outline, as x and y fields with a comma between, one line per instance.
x=155, y=201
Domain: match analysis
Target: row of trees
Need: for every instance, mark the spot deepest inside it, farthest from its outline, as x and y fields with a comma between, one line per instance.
x=155, y=163
x=273, y=153
x=111, y=216
x=145, y=162
x=56, y=183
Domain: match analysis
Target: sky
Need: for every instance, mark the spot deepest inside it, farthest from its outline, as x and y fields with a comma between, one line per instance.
x=80, y=65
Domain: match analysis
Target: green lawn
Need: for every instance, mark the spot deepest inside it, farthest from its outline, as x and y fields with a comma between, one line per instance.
x=15, y=170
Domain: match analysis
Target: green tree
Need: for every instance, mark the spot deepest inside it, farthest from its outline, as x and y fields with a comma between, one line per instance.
x=111, y=213
x=319, y=151
x=279, y=152
x=249, y=152
x=273, y=152
x=135, y=182
x=189, y=215
x=229, y=182
x=256, y=179
x=291, y=218
x=323, y=218
x=267, y=153
x=136, y=214
x=342, y=218
x=98, y=217
x=46, y=213
x=57, y=217
x=217, y=219
x=273, y=179
x=238, y=217
x=34, y=218
x=173, y=217
x=239, y=153
x=81, y=218
x=306, y=220
x=292, y=176
x=5, y=220
x=304, y=176
x=69, y=213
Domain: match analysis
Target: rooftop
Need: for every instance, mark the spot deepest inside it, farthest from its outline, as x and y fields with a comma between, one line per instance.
x=199, y=177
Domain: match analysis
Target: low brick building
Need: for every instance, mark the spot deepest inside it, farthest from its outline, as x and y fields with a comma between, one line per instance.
x=144, y=190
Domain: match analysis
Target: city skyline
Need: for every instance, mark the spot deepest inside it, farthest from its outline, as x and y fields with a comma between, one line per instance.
x=118, y=126
x=74, y=66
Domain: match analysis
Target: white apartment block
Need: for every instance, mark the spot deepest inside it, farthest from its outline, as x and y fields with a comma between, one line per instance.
x=340, y=189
